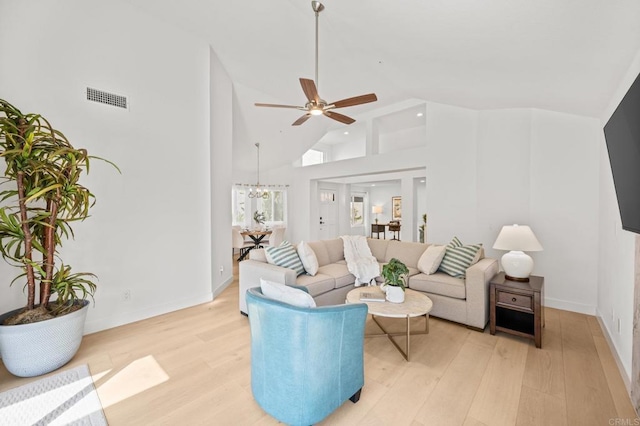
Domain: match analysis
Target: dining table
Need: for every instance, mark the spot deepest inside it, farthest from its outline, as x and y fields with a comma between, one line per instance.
x=256, y=236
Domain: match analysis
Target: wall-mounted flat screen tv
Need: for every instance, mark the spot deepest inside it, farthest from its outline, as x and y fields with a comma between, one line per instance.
x=622, y=133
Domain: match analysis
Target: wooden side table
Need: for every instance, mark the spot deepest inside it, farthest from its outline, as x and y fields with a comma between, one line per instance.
x=377, y=228
x=517, y=307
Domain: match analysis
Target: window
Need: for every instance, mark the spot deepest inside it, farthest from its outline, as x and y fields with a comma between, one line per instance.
x=357, y=210
x=311, y=157
x=238, y=200
x=274, y=207
x=243, y=207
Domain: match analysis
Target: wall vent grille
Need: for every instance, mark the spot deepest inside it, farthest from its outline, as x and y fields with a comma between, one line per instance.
x=106, y=98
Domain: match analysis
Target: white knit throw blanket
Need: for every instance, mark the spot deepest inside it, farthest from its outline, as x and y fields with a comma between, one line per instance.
x=360, y=261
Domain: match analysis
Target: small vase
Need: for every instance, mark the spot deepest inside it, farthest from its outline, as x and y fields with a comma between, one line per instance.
x=395, y=294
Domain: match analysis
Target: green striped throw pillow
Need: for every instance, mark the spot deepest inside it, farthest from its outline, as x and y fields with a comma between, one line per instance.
x=458, y=257
x=285, y=255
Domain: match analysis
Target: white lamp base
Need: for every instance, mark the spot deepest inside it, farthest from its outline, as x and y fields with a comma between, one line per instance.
x=517, y=265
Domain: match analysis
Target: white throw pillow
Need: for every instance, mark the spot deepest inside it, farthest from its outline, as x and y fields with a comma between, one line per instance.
x=286, y=294
x=308, y=258
x=431, y=258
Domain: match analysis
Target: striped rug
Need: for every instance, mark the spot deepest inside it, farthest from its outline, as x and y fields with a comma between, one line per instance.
x=66, y=398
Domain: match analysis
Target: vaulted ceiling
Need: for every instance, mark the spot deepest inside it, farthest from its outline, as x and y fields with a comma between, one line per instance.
x=561, y=55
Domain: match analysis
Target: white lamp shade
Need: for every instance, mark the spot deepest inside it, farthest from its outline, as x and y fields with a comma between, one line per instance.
x=376, y=209
x=517, y=237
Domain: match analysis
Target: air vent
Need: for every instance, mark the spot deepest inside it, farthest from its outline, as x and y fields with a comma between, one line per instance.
x=106, y=98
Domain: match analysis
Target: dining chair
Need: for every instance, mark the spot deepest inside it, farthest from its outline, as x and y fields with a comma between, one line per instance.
x=238, y=242
x=277, y=236
x=395, y=228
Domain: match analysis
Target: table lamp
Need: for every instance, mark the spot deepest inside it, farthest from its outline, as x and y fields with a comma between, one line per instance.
x=517, y=239
x=376, y=210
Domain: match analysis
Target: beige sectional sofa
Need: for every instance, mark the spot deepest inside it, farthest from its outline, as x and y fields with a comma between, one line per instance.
x=461, y=300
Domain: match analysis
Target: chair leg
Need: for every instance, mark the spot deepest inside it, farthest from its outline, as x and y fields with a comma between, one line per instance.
x=356, y=396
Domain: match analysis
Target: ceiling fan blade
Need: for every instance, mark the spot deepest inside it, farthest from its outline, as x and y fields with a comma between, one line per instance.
x=339, y=117
x=310, y=90
x=277, y=106
x=356, y=100
x=301, y=120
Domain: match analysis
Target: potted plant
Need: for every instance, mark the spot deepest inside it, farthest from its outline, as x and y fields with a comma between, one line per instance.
x=423, y=228
x=41, y=197
x=259, y=218
x=394, y=274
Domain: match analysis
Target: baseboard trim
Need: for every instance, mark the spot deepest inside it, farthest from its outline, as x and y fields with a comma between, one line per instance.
x=570, y=306
x=222, y=287
x=100, y=324
x=626, y=378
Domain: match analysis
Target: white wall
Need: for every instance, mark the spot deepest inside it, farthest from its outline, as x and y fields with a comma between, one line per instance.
x=564, y=207
x=451, y=162
x=381, y=196
x=616, y=247
x=615, y=267
x=221, y=130
x=352, y=149
x=150, y=229
x=412, y=137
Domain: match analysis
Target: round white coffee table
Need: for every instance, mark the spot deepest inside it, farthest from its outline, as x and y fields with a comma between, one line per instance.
x=415, y=304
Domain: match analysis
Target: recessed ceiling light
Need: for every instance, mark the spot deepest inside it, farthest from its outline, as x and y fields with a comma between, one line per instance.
x=419, y=114
x=373, y=184
x=422, y=181
x=346, y=133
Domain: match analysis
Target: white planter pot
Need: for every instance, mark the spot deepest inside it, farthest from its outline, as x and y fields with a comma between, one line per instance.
x=29, y=350
x=395, y=294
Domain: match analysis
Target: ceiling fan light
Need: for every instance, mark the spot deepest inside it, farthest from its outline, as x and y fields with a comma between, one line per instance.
x=315, y=111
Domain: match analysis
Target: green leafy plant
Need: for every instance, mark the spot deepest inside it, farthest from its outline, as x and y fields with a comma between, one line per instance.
x=259, y=217
x=394, y=273
x=422, y=227
x=43, y=199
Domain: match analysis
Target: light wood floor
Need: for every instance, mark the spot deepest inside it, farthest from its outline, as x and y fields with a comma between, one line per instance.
x=193, y=367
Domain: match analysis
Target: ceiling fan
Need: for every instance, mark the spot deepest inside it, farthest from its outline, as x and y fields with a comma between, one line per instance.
x=316, y=105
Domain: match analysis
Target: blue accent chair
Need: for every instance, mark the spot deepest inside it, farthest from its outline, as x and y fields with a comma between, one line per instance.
x=305, y=362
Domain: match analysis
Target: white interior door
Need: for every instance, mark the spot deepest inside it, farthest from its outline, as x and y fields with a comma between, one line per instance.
x=328, y=214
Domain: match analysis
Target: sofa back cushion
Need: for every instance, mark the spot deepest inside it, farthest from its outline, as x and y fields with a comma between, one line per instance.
x=335, y=248
x=258, y=254
x=378, y=248
x=409, y=253
x=320, y=249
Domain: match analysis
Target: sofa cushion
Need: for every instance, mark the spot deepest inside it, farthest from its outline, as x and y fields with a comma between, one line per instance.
x=430, y=259
x=339, y=272
x=258, y=255
x=308, y=258
x=286, y=256
x=335, y=247
x=318, y=284
x=286, y=294
x=408, y=253
x=458, y=258
x=378, y=248
x=439, y=283
x=320, y=249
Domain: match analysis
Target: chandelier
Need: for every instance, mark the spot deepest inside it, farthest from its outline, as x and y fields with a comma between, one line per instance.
x=261, y=191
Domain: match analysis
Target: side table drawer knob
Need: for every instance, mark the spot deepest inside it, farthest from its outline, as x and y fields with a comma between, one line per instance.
x=513, y=299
